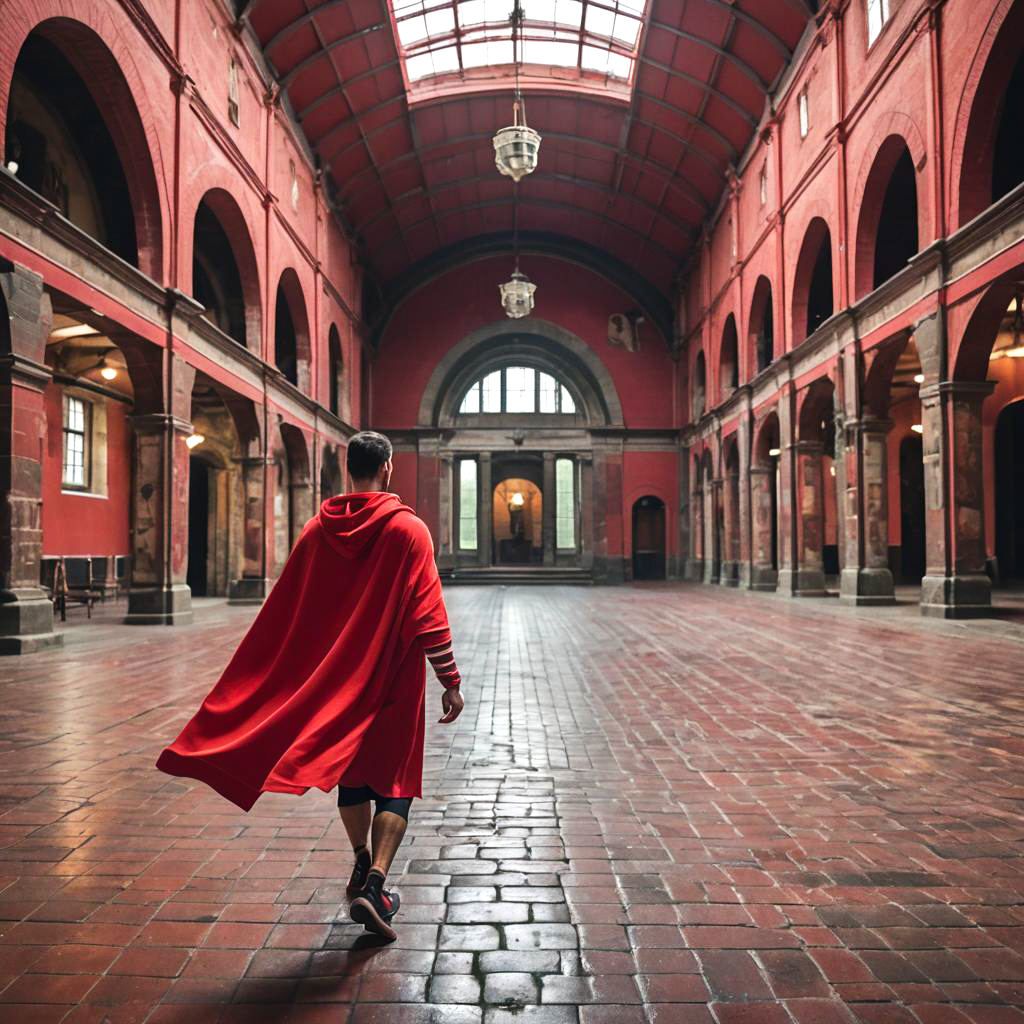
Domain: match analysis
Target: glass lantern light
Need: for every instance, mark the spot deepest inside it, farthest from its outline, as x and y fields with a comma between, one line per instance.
x=516, y=148
x=517, y=295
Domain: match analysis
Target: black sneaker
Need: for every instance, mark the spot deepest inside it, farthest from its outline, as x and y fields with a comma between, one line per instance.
x=359, y=873
x=374, y=908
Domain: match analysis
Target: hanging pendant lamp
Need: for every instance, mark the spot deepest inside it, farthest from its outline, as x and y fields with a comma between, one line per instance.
x=517, y=295
x=516, y=147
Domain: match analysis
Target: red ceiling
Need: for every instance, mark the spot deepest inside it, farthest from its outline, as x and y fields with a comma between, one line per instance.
x=635, y=179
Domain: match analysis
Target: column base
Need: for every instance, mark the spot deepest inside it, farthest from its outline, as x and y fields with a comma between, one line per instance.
x=763, y=577
x=866, y=586
x=160, y=606
x=729, y=575
x=26, y=621
x=957, y=597
x=248, y=590
x=802, y=582
x=693, y=570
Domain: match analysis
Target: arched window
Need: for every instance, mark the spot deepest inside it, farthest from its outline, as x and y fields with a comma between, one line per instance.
x=518, y=389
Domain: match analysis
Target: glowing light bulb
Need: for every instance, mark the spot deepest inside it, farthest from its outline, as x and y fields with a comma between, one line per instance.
x=918, y=378
x=774, y=452
x=917, y=428
x=193, y=439
x=108, y=372
x=517, y=499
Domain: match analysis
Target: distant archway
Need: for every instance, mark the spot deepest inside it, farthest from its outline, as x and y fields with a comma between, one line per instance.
x=335, y=370
x=700, y=384
x=1009, y=492
x=291, y=331
x=649, y=538
x=761, y=337
x=728, y=360
x=812, y=282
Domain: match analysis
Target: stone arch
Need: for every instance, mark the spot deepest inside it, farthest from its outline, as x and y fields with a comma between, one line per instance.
x=292, y=349
x=766, y=440
x=816, y=407
x=888, y=227
x=813, y=299
x=979, y=335
x=331, y=478
x=335, y=371
x=222, y=206
x=880, y=367
x=728, y=360
x=86, y=37
x=540, y=343
x=761, y=328
x=977, y=121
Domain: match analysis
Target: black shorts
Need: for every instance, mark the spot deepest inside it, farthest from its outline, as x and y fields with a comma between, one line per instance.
x=350, y=796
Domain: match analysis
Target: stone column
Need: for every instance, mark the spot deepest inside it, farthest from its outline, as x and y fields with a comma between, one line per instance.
x=253, y=585
x=809, y=576
x=743, y=517
x=763, y=575
x=548, y=508
x=446, y=523
x=713, y=531
x=586, y=511
x=730, y=572
x=694, y=570
x=485, y=537
x=864, y=515
x=786, y=498
x=955, y=585
x=26, y=613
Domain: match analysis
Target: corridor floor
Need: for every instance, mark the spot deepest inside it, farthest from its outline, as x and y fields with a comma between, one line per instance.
x=662, y=803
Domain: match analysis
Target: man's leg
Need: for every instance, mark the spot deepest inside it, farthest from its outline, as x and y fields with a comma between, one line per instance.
x=387, y=835
x=356, y=819
x=375, y=907
x=354, y=808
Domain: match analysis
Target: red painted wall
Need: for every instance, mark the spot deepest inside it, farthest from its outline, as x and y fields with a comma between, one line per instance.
x=76, y=524
x=441, y=313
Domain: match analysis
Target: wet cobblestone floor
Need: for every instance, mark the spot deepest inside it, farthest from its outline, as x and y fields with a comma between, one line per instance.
x=662, y=803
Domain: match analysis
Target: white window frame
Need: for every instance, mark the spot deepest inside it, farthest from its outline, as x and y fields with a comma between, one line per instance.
x=85, y=434
x=563, y=523
x=803, y=109
x=472, y=513
x=878, y=13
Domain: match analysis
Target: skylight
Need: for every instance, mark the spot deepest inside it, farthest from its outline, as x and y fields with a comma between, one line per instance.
x=439, y=37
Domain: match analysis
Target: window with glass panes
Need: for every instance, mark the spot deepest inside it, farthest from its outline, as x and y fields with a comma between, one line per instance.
x=518, y=389
x=878, y=15
x=467, y=505
x=565, y=503
x=75, y=471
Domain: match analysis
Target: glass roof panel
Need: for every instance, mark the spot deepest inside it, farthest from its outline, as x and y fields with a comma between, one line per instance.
x=439, y=37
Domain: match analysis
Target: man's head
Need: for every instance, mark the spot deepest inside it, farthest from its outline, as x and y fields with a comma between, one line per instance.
x=369, y=461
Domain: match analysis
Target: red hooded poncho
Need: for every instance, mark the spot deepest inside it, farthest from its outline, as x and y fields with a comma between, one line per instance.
x=328, y=684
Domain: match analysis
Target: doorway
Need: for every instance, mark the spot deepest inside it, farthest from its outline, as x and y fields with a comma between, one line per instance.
x=1009, y=493
x=649, y=539
x=518, y=523
x=912, y=551
x=198, y=526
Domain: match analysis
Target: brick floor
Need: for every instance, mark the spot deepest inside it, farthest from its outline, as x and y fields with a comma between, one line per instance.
x=662, y=803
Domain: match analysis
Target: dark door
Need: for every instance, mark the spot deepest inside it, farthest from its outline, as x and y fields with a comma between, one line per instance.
x=1010, y=492
x=649, y=539
x=198, y=525
x=911, y=509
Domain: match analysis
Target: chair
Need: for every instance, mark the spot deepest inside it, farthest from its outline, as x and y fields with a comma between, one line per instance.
x=78, y=583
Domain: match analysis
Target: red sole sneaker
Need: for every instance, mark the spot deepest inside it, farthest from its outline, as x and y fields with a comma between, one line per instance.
x=365, y=913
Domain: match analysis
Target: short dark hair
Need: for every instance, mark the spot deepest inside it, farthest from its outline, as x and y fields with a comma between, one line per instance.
x=367, y=453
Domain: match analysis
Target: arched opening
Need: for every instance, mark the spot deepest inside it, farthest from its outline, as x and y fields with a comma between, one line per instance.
x=887, y=232
x=812, y=283
x=74, y=135
x=331, y=480
x=216, y=282
x=710, y=549
x=700, y=383
x=731, y=515
x=816, y=496
x=335, y=369
x=215, y=488
x=518, y=521
x=1009, y=492
x=293, y=497
x=649, y=538
x=762, y=326
x=764, y=499
x=63, y=149
x=291, y=331
x=992, y=150
x=729, y=362
x=912, y=510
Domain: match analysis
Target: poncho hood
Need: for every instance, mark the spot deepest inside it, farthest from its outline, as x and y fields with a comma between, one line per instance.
x=352, y=522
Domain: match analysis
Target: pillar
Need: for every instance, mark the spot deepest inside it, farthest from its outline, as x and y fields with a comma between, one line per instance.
x=712, y=552
x=485, y=539
x=866, y=578
x=26, y=613
x=548, y=508
x=806, y=578
x=743, y=519
x=955, y=584
x=786, y=500
x=729, y=575
x=253, y=585
x=763, y=575
x=694, y=569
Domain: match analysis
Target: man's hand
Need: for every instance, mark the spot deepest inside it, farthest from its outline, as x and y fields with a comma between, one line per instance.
x=451, y=704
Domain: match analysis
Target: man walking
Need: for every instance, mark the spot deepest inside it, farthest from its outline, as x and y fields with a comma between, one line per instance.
x=327, y=688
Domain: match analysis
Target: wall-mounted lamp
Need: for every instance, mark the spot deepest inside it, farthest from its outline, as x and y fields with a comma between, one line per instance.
x=194, y=439
x=917, y=428
x=774, y=453
x=12, y=166
x=918, y=378
x=107, y=372
x=517, y=500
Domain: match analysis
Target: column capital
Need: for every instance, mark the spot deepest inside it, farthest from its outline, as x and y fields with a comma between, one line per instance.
x=17, y=369
x=158, y=422
x=965, y=390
